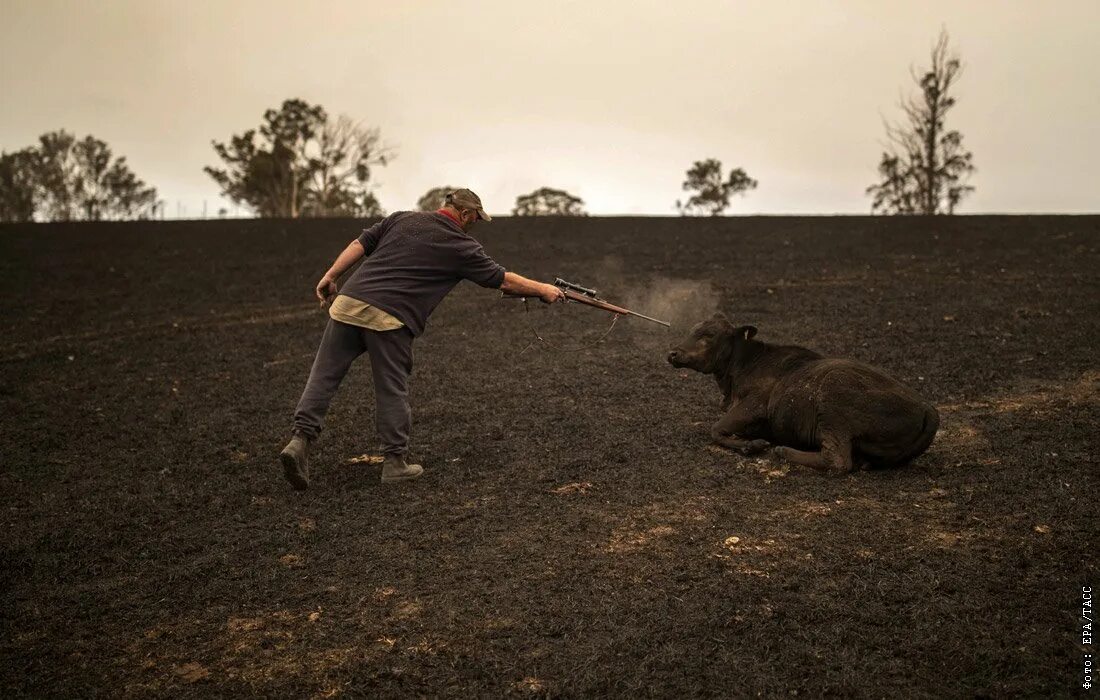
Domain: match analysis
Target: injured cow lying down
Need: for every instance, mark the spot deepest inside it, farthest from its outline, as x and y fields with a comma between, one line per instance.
x=826, y=413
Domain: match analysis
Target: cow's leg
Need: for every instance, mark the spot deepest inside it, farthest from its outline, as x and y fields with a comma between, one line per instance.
x=734, y=428
x=835, y=455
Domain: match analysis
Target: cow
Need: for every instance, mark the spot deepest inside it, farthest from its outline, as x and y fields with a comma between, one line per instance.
x=826, y=413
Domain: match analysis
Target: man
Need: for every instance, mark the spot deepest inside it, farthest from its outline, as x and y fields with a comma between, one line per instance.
x=413, y=259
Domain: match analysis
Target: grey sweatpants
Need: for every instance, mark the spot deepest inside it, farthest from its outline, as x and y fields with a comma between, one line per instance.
x=391, y=363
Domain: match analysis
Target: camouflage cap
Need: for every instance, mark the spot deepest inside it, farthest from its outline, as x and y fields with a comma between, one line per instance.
x=466, y=199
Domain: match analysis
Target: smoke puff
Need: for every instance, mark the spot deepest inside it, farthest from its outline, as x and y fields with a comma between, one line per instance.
x=682, y=302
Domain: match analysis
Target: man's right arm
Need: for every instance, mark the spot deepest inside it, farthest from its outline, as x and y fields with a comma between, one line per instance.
x=326, y=288
x=518, y=285
x=363, y=245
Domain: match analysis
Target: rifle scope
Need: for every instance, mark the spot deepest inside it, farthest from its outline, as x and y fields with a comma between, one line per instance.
x=559, y=282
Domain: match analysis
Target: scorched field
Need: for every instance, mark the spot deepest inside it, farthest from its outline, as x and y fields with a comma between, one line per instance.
x=574, y=533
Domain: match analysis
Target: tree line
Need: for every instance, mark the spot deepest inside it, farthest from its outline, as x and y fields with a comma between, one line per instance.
x=62, y=178
x=300, y=162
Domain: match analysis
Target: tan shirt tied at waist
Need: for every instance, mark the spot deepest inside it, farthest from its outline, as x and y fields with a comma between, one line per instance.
x=359, y=313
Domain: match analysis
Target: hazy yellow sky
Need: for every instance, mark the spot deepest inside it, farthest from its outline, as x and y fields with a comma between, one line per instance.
x=610, y=100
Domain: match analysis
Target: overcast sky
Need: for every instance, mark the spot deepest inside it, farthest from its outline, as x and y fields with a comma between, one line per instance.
x=610, y=100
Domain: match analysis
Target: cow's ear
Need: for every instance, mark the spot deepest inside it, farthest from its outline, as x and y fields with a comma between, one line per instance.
x=746, y=332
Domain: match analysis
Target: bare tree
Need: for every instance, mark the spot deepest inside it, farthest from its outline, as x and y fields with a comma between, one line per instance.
x=547, y=201
x=341, y=168
x=301, y=163
x=712, y=192
x=925, y=168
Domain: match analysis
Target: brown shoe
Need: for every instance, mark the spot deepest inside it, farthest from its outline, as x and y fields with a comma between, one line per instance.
x=295, y=460
x=394, y=468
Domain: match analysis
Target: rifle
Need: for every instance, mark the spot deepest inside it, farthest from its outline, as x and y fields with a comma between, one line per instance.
x=589, y=297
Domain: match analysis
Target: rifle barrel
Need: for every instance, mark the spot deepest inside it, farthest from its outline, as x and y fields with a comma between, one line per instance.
x=613, y=308
x=666, y=324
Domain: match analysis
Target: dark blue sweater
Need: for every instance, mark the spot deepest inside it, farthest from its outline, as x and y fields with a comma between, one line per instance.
x=413, y=260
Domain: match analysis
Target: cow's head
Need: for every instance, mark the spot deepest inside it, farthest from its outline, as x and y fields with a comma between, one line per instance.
x=710, y=345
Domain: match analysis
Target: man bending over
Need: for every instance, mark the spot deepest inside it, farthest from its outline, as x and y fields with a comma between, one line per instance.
x=413, y=260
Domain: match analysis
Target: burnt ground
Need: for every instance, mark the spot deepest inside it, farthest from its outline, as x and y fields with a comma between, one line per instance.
x=574, y=534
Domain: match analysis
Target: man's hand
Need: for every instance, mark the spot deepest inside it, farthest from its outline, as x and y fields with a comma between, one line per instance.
x=548, y=294
x=326, y=290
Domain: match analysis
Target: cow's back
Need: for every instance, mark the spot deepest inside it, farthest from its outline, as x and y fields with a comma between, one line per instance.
x=883, y=417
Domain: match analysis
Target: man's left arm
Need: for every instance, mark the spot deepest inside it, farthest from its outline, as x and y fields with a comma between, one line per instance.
x=480, y=269
x=519, y=285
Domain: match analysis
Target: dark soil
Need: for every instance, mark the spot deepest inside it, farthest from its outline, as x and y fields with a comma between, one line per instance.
x=574, y=534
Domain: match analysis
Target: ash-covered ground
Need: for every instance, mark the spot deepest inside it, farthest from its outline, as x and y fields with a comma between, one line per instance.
x=574, y=534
